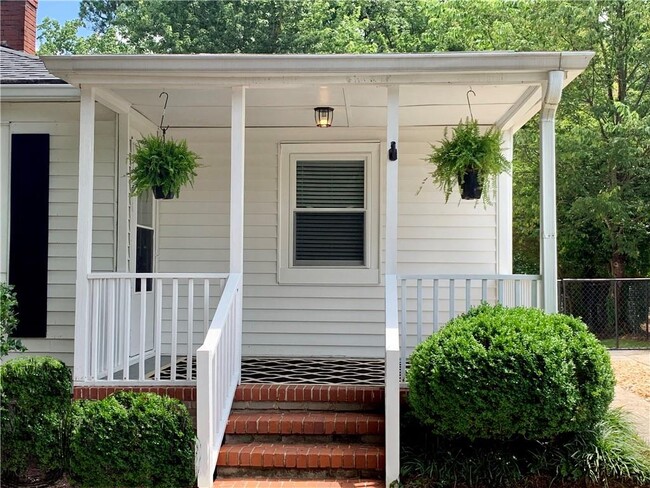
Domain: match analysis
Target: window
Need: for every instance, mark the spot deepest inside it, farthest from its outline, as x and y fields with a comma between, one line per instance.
x=329, y=213
x=329, y=218
x=144, y=251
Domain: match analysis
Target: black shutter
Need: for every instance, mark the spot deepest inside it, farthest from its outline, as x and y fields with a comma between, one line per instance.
x=329, y=238
x=28, y=237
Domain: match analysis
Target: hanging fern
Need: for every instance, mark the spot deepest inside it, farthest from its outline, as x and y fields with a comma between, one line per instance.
x=468, y=150
x=166, y=164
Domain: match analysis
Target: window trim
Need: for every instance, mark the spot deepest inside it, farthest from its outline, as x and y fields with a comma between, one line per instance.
x=133, y=254
x=289, y=154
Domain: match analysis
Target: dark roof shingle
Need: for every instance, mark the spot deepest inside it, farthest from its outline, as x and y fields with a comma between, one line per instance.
x=16, y=67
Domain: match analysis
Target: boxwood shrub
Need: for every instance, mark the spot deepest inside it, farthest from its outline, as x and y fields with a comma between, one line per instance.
x=35, y=396
x=498, y=373
x=132, y=440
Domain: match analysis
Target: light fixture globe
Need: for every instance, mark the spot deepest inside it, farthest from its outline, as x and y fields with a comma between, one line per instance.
x=323, y=116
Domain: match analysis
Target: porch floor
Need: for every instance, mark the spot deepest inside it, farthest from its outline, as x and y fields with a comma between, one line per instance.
x=301, y=371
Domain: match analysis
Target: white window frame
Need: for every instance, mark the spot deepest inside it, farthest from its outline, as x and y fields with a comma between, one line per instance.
x=367, y=273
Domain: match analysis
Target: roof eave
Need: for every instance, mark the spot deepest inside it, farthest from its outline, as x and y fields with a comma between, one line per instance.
x=289, y=69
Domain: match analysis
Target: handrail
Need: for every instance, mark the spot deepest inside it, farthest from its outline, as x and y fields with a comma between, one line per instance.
x=180, y=276
x=460, y=277
x=392, y=382
x=218, y=374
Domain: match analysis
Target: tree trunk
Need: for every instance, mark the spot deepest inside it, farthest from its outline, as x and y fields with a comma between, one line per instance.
x=617, y=265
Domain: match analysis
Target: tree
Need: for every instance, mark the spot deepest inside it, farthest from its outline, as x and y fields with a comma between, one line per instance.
x=57, y=38
x=603, y=142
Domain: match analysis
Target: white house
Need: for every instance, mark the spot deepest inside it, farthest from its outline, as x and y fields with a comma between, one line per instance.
x=132, y=291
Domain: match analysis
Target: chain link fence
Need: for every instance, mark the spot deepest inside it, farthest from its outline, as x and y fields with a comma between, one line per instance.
x=616, y=310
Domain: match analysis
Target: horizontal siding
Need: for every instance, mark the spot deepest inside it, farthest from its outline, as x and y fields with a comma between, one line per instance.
x=64, y=156
x=193, y=235
x=314, y=320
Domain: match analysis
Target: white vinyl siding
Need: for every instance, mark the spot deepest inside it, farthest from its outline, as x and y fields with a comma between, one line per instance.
x=64, y=156
x=309, y=319
x=345, y=319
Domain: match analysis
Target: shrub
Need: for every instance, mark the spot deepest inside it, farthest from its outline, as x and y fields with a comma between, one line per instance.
x=132, y=440
x=35, y=402
x=8, y=320
x=497, y=373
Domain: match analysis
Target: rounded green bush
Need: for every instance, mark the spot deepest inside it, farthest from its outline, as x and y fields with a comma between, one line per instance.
x=499, y=373
x=35, y=401
x=132, y=440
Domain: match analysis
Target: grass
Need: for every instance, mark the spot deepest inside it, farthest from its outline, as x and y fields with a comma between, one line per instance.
x=626, y=343
x=610, y=455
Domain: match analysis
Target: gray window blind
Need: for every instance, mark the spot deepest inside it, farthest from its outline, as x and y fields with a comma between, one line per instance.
x=330, y=184
x=335, y=237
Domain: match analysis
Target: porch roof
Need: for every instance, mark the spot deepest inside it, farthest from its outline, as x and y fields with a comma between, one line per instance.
x=283, y=89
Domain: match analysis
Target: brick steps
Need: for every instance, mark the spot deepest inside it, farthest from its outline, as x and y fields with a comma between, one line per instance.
x=302, y=456
x=308, y=397
x=305, y=423
x=320, y=432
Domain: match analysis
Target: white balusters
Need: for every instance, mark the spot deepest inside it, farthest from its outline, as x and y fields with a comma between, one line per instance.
x=142, y=324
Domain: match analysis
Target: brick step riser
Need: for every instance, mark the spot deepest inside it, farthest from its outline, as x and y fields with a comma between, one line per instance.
x=310, y=406
x=310, y=394
x=373, y=439
x=304, y=423
x=302, y=456
x=302, y=474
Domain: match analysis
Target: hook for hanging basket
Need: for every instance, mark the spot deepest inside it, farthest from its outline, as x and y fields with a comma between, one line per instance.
x=163, y=129
x=469, y=105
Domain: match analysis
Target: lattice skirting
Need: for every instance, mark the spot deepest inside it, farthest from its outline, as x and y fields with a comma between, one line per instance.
x=299, y=371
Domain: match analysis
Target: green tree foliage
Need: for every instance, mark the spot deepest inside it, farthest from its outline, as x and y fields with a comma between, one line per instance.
x=603, y=143
x=603, y=126
x=57, y=38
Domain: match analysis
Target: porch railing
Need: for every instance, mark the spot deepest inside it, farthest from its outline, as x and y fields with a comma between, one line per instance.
x=143, y=325
x=218, y=374
x=427, y=302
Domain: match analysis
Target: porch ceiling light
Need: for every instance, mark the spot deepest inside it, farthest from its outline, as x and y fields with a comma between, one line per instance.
x=324, y=116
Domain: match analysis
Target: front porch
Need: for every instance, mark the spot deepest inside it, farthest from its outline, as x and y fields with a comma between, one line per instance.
x=226, y=283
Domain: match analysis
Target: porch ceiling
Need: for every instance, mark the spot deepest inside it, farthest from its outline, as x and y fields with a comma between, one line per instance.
x=284, y=89
x=354, y=106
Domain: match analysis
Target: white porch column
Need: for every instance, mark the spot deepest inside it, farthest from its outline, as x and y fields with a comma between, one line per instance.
x=504, y=209
x=548, y=225
x=392, y=380
x=84, y=233
x=124, y=191
x=392, y=135
x=237, y=144
x=237, y=150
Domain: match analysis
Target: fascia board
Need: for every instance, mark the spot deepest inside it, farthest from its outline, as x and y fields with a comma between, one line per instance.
x=36, y=92
x=292, y=68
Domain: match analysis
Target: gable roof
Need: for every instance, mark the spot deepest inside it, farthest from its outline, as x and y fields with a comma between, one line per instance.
x=17, y=67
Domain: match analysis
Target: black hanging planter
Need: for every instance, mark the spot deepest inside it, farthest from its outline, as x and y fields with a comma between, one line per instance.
x=159, y=194
x=470, y=187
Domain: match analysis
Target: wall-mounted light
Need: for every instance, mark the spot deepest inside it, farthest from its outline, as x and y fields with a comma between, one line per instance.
x=323, y=116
